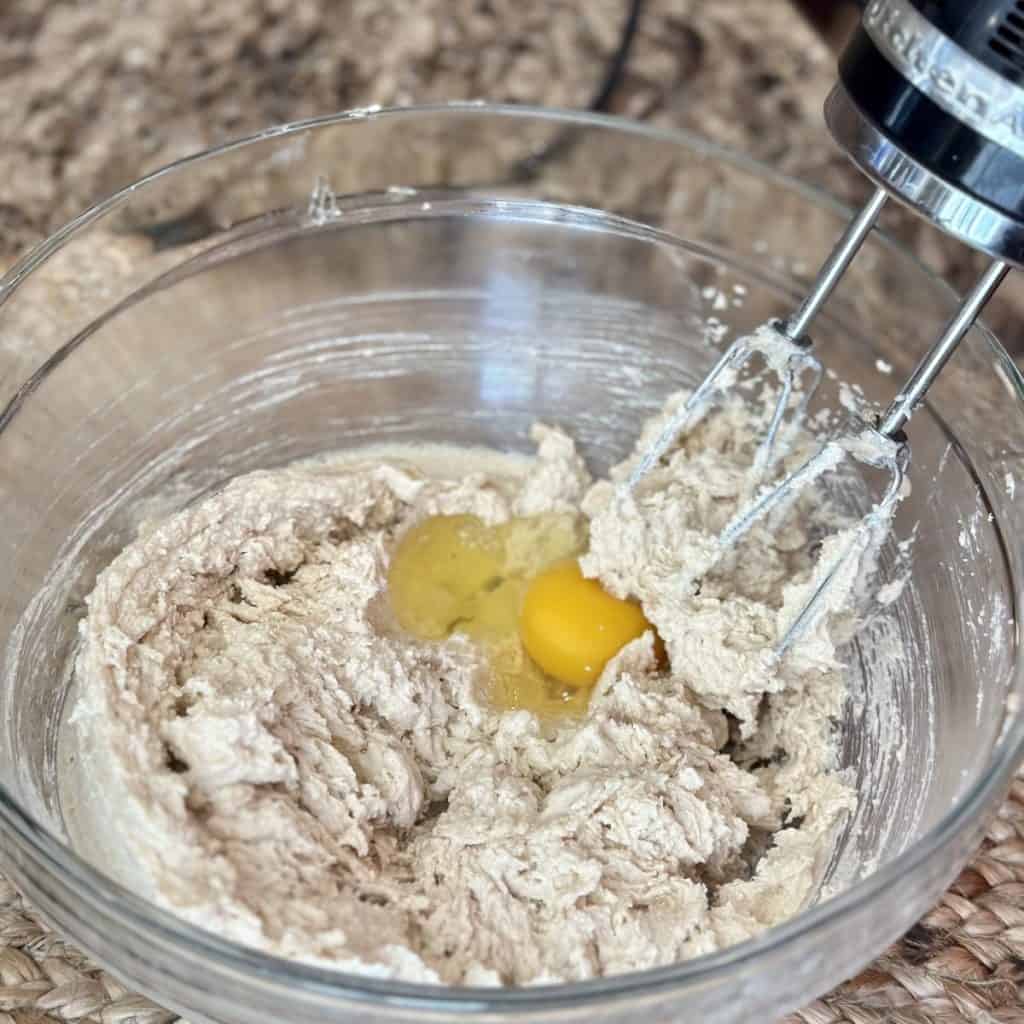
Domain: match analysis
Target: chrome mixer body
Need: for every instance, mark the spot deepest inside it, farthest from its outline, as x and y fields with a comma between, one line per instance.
x=930, y=106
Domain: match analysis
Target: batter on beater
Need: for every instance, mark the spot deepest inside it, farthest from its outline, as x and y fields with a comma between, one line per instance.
x=445, y=716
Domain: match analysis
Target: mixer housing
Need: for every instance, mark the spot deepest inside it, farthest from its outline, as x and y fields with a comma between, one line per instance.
x=930, y=105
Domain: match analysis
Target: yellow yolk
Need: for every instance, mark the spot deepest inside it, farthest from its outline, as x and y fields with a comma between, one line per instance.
x=571, y=626
x=547, y=631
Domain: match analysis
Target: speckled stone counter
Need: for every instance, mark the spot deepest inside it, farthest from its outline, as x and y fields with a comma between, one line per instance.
x=97, y=92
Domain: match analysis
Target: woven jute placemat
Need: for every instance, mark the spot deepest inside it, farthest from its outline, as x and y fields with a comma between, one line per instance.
x=964, y=961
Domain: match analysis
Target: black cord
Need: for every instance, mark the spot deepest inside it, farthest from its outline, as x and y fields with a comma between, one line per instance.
x=528, y=169
x=616, y=68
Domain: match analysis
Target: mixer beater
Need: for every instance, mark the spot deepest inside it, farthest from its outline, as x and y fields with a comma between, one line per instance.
x=930, y=106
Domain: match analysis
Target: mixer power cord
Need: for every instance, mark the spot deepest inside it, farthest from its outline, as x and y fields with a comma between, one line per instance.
x=616, y=68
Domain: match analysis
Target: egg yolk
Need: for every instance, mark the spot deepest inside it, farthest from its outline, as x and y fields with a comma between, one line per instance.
x=571, y=626
x=517, y=590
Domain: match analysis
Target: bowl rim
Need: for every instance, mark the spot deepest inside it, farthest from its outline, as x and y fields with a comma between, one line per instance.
x=147, y=919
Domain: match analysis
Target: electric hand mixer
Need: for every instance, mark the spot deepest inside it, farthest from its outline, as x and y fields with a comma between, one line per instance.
x=930, y=106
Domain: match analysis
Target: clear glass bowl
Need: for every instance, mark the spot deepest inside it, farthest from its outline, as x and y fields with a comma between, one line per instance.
x=453, y=274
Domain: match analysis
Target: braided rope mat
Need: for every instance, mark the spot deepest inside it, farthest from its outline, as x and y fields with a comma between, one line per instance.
x=963, y=962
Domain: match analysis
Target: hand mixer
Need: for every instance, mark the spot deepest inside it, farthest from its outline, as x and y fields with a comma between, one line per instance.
x=930, y=106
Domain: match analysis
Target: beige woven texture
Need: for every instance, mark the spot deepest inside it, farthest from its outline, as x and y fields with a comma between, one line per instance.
x=96, y=92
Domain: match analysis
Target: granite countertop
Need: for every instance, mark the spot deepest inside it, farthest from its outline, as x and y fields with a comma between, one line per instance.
x=99, y=91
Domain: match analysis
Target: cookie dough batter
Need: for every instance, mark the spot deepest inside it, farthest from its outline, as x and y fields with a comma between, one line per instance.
x=295, y=772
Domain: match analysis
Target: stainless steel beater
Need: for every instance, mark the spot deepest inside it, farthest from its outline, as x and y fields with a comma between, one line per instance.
x=930, y=106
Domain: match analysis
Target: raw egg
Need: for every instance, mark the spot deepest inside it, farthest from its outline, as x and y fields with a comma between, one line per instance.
x=516, y=589
x=571, y=626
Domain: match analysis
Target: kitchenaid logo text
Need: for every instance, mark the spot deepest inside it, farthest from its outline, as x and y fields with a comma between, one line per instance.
x=946, y=74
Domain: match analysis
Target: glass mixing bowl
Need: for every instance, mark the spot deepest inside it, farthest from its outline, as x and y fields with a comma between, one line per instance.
x=453, y=274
